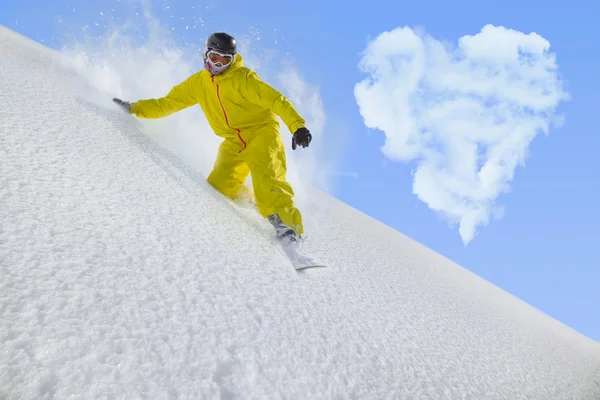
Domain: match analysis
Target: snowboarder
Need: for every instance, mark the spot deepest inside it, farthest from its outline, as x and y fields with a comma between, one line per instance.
x=243, y=110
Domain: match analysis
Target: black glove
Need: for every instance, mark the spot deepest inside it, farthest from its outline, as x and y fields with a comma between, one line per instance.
x=302, y=137
x=125, y=104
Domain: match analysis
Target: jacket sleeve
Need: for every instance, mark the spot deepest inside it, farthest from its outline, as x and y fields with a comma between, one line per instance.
x=180, y=97
x=262, y=94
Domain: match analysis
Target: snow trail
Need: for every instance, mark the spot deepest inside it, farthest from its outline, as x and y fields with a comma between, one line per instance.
x=125, y=275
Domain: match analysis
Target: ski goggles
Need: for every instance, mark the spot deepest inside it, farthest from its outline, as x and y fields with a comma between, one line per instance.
x=219, y=59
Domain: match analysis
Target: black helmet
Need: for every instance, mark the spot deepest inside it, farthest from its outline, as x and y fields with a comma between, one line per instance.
x=222, y=42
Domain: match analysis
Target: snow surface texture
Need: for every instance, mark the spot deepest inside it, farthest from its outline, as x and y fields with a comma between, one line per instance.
x=125, y=275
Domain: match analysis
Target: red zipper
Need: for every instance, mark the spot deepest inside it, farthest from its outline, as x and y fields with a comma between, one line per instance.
x=225, y=114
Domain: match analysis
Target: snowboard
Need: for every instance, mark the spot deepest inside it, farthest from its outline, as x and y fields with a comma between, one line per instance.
x=299, y=260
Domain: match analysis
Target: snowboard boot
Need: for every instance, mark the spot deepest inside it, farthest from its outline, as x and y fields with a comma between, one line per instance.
x=283, y=232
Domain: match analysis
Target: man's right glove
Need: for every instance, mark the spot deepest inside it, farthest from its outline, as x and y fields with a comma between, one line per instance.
x=124, y=104
x=302, y=137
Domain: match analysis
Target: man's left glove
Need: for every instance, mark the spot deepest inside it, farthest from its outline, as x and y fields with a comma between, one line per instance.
x=302, y=137
x=124, y=104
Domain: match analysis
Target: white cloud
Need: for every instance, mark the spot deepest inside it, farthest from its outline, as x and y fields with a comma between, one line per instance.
x=464, y=114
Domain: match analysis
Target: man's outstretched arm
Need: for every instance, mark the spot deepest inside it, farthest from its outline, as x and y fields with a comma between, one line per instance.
x=180, y=97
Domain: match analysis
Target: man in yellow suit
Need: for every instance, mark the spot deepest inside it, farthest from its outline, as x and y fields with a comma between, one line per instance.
x=243, y=110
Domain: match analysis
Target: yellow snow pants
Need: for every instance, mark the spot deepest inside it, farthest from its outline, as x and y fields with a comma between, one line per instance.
x=262, y=156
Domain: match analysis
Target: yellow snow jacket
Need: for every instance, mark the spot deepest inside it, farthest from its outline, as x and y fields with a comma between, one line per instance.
x=236, y=103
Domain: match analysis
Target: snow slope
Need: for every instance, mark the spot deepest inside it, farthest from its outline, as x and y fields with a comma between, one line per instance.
x=124, y=275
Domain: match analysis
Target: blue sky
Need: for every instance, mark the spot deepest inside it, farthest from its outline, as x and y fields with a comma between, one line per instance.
x=542, y=249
